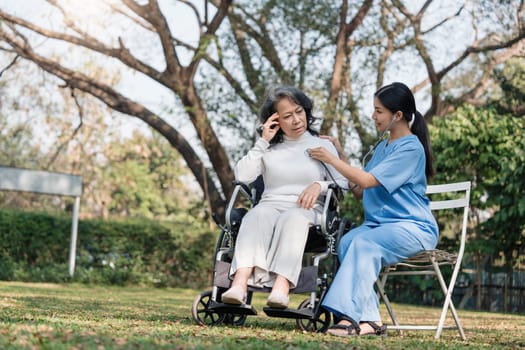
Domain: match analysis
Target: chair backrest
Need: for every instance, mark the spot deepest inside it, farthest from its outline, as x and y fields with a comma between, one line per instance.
x=461, y=199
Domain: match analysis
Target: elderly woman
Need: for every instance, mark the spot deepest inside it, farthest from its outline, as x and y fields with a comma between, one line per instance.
x=272, y=236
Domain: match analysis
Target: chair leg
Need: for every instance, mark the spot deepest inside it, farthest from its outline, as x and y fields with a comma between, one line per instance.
x=448, y=304
x=380, y=283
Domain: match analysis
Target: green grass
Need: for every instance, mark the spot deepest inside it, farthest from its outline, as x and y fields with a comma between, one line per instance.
x=53, y=316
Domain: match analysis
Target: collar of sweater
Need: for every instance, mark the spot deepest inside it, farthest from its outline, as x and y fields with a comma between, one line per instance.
x=306, y=135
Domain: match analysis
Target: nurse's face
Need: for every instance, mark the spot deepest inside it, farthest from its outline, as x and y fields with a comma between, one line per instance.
x=383, y=118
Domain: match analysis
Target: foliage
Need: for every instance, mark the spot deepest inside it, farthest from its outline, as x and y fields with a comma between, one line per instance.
x=135, y=176
x=217, y=60
x=511, y=82
x=35, y=247
x=489, y=149
x=145, y=177
x=54, y=316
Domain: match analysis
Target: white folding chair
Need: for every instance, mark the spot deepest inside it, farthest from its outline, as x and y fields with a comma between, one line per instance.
x=429, y=262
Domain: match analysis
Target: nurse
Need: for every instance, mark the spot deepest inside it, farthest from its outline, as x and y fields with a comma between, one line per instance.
x=398, y=222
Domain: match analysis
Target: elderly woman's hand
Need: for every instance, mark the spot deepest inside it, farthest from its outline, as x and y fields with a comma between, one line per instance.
x=308, y=198
x=270, y=127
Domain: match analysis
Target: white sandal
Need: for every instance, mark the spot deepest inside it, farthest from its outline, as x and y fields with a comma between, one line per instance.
x=278, y=300
x=235, y=296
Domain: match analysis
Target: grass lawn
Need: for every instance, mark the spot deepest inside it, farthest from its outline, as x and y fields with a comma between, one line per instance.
x=52, y=316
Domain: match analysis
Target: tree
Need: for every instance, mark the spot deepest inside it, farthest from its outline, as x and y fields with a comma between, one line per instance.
x=246, y=45
x=487, y=148
x=144, y=179
x=509, y=97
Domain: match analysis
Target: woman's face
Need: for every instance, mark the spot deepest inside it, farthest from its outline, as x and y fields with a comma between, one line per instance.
x=382, y=117
x=292, y=118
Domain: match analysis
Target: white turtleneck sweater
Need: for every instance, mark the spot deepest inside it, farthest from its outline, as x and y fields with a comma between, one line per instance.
x=286, y=167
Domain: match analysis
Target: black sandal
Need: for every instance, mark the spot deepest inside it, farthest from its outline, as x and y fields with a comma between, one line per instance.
x=351, y=329
x=378, y=330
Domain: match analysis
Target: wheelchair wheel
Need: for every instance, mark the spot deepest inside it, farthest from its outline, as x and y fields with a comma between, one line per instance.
x=235, y=320
x=319, y=324
x=201, y=313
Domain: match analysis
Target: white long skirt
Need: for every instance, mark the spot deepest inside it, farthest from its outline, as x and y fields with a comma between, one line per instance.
x=271, y=239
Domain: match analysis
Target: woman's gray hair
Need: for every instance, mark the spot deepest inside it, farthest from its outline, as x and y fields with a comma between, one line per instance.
x=277, y=93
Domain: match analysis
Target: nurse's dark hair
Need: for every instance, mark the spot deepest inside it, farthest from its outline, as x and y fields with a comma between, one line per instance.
x=398, y=97
x=276, y=94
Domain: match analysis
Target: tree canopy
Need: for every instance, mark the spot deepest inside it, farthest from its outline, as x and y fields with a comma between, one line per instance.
x=338, y=51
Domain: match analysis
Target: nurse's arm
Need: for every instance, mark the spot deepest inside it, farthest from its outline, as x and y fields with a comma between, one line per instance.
x=355, y=175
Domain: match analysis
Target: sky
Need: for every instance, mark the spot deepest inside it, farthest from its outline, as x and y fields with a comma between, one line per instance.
x=148, y=92
x=134, y=85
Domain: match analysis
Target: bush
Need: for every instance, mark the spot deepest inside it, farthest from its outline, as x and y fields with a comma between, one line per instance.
x=35, y=247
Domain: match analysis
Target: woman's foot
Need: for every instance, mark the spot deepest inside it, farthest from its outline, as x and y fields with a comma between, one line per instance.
x=278, y=300
x=236, y=295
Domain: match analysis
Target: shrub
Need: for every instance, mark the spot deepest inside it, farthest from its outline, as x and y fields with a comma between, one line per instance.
x=35, y=247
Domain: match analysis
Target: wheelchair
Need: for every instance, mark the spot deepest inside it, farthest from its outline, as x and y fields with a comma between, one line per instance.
x=207, y=308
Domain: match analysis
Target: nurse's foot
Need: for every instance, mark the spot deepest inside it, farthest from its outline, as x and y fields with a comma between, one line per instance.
x=372, y=328
x=345, y=328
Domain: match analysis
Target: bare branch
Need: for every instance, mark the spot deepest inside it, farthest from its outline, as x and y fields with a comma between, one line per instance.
x=476, y=49
x=358, y=18
x=120, y=53
x=423, y=9
x=445, y=20
x=143, y=24
x=151, y=13
x=72, y=136
x=194, y=9
x=263, y=40
x=9, y=65
x=206, y=38
x=237, y=87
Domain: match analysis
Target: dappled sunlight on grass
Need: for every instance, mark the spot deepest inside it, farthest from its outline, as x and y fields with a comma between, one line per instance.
x=86, y=317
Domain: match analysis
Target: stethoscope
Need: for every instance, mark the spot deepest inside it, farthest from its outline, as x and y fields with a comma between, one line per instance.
x=373, y=148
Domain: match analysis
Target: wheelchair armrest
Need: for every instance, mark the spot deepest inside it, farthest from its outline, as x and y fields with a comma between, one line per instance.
x=249, y=191
x=244, y=186
x=330, y=210
x=338, y=191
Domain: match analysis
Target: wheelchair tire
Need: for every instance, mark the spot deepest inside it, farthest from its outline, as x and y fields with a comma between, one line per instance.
x=235, y=320
x=201, y=314
x=317, y=325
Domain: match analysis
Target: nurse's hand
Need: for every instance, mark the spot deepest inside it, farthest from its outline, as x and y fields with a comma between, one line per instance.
x=308, y=198
x=337, y=145
x=322, y=154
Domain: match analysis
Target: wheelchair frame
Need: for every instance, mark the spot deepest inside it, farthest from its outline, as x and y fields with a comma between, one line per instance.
x=207, y=309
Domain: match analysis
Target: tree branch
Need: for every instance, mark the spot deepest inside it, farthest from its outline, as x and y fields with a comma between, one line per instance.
x=120, y=103
x=151, y=13
x=475, y=49
x=75, y=131
x=12, y=63
x=120, y=53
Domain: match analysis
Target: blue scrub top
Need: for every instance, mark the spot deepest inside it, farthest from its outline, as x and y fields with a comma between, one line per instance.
x=400, y=169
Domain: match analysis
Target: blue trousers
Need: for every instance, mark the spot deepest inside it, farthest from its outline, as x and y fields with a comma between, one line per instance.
x=362, y=253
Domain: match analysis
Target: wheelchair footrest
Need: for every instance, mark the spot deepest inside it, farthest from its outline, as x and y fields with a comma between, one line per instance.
x=289, y=313
x=222, y=308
